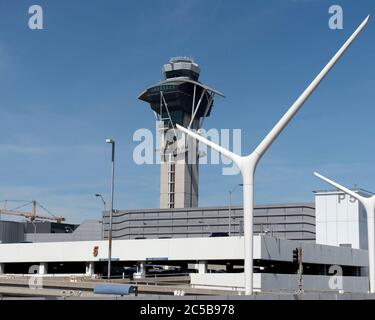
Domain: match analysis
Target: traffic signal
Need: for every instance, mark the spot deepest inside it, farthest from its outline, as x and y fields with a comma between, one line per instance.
x=295, y=255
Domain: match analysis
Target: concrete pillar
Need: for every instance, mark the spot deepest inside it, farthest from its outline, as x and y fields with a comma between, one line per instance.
x=229, y=267
x=90, y=268
x=2, y=268
x=201, y=266
x=141, y=270
x=43, y=267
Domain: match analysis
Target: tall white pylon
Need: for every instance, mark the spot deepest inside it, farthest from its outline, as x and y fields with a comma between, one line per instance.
x=247, y=164
x=369, y=204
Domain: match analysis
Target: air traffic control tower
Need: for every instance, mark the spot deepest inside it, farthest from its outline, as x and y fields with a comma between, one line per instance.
x=179, y=99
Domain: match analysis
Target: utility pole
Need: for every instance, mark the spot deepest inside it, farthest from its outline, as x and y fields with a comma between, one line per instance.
x=298, y=260
x=300, y=270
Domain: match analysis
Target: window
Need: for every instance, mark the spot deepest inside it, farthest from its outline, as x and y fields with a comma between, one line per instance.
x=176, y=116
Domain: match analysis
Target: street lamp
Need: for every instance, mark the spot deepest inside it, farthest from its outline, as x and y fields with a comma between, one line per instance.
x=112, y=142
x=247, y=164
x=230, y=206
x=101, y=197
x=98, y=195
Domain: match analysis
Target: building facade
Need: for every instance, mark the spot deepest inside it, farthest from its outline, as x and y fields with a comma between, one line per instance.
x=340, y=219
x=284, y=221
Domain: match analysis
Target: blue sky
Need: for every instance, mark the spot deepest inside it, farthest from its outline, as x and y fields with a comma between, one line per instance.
x=65, y=89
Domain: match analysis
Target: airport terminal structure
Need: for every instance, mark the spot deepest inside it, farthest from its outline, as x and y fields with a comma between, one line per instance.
x=296, y=246
x=196, y=241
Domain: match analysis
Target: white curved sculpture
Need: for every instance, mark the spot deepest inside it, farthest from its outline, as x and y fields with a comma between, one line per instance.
x=369, y=204
x=247, y=164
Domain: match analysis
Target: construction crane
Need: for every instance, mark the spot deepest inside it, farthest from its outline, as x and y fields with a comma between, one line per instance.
x=33, y=215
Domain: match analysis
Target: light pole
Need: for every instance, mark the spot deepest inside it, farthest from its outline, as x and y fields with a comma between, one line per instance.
x=98, y=195
x=247, y=164
x=230, y=206
x=34, y=225
x=112, y=142
x=369, y=204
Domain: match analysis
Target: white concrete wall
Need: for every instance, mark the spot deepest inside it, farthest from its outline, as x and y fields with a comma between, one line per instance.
x=126, y=250
x=188, y=249
x=340, y=219
x=282, y=250
x=221, y=281
x=270, y=282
